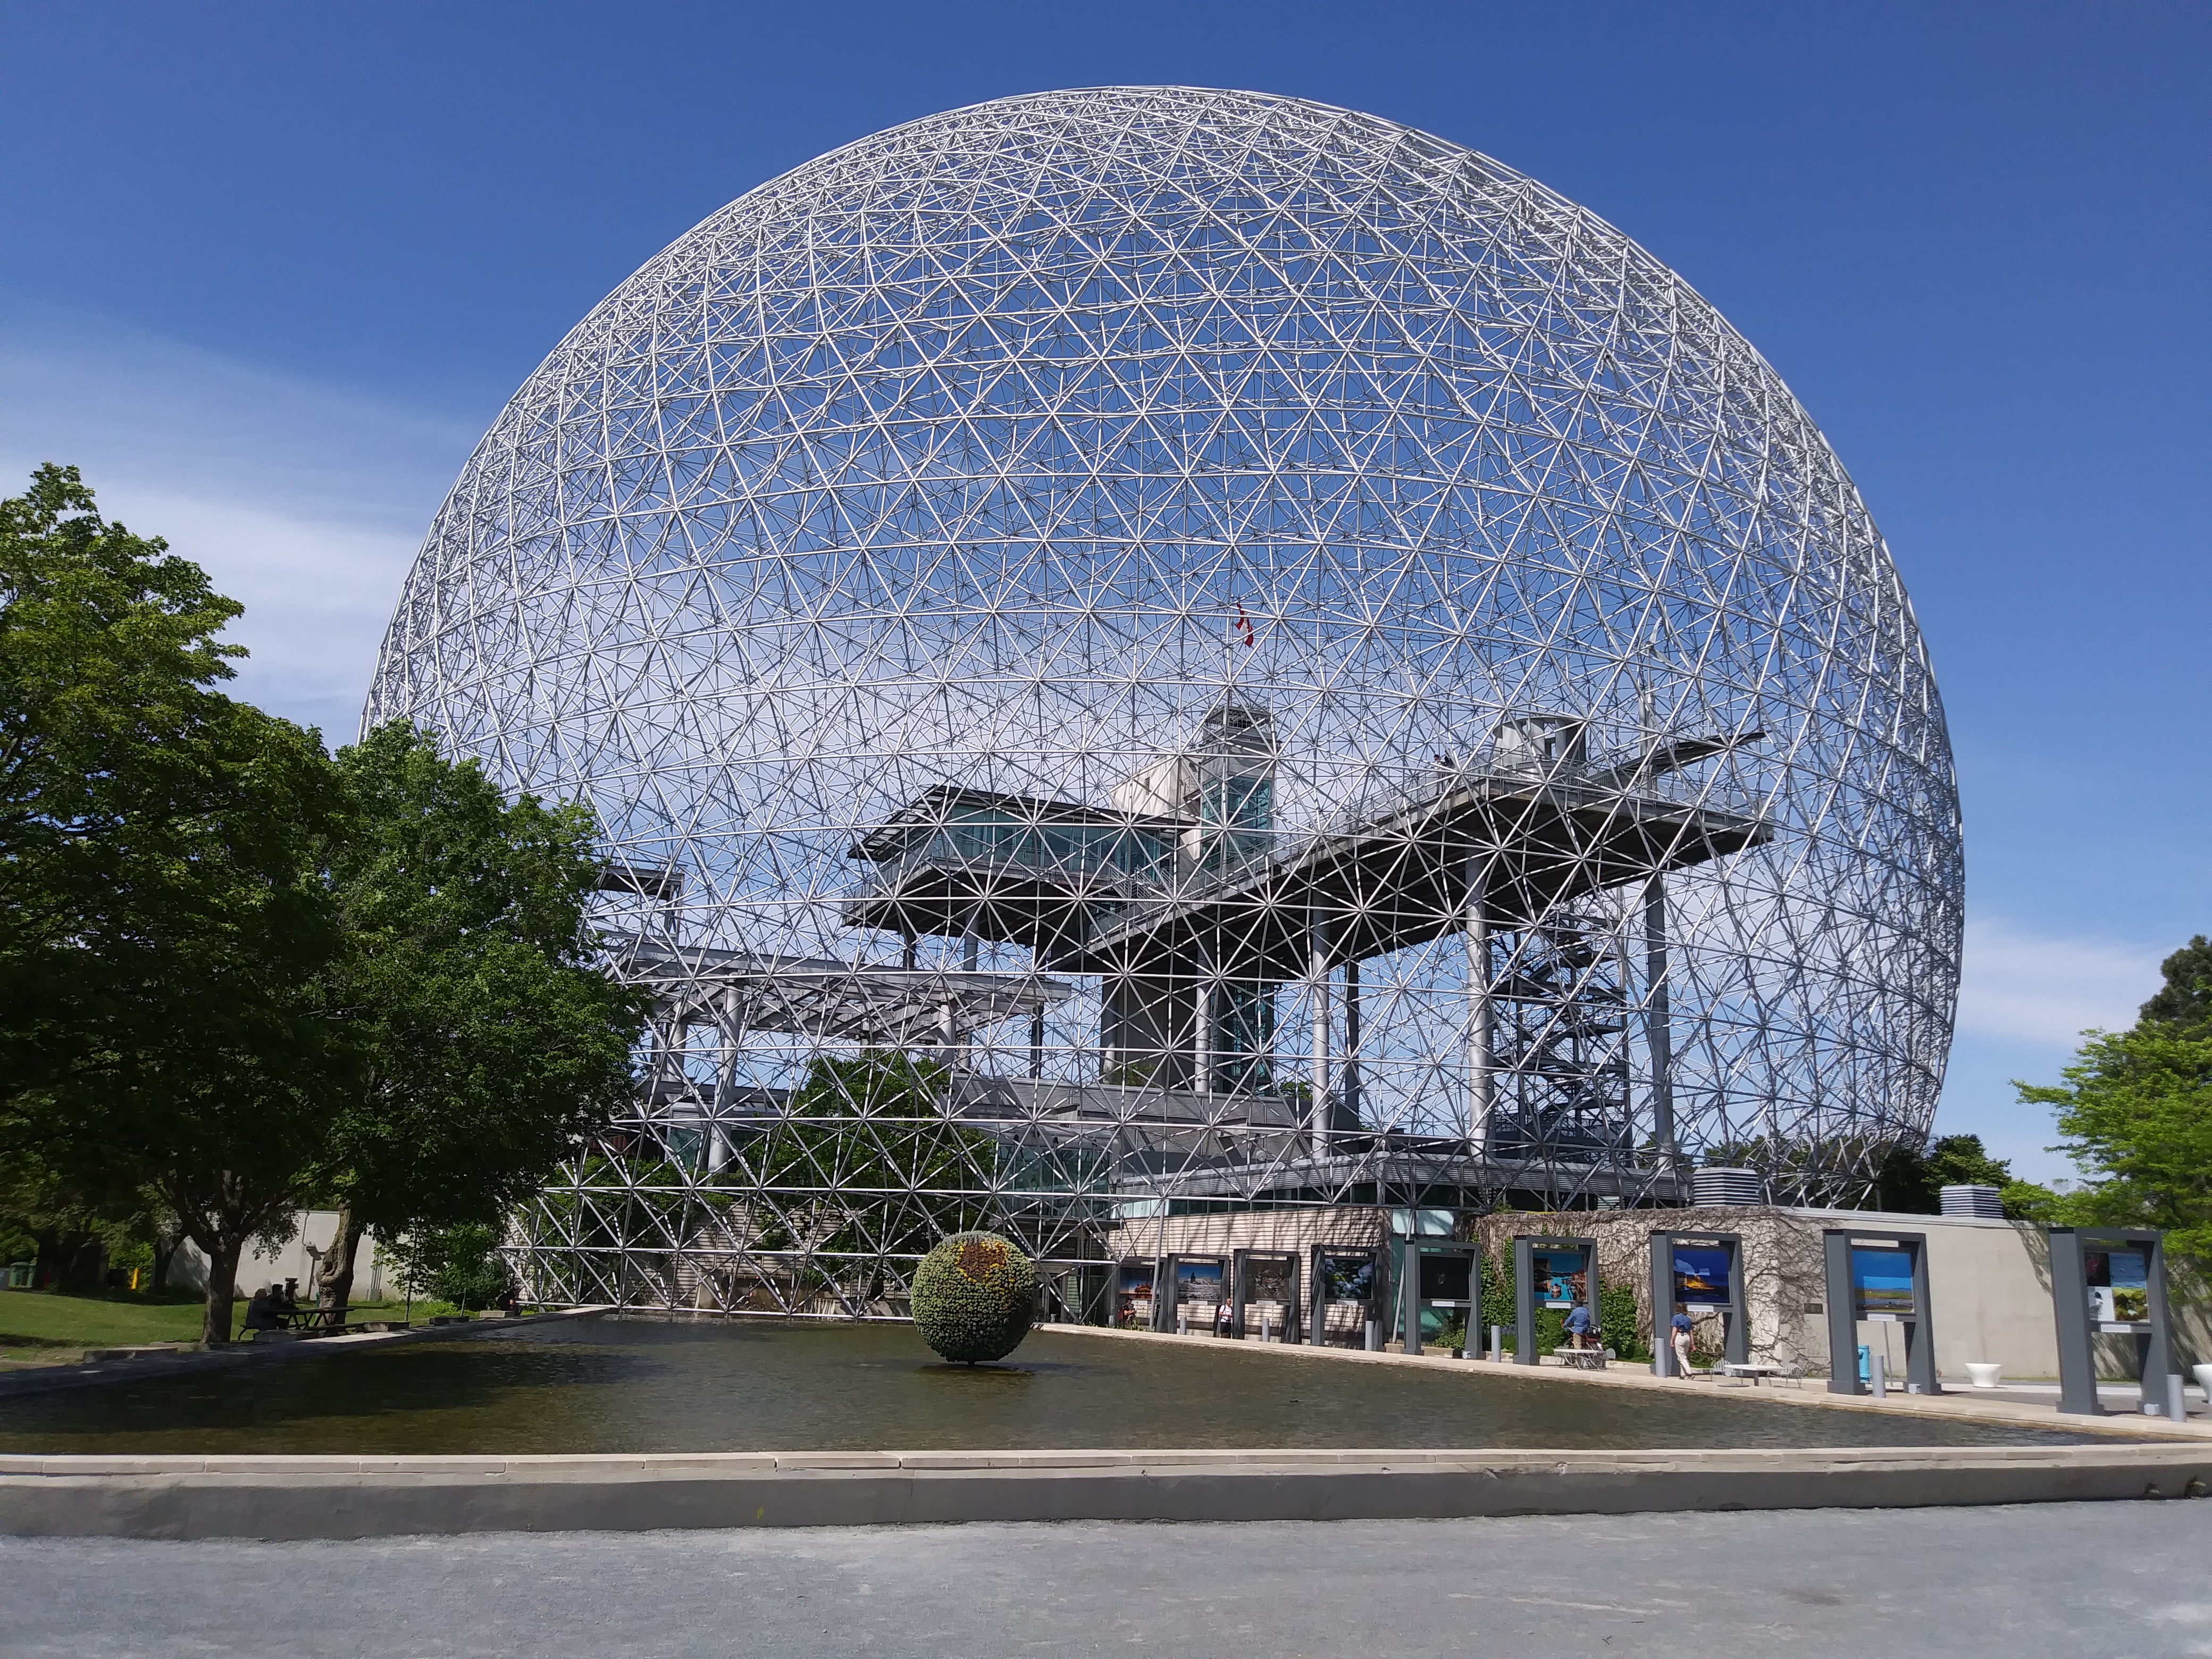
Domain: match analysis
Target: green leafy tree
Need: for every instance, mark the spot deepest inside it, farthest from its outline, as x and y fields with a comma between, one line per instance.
x=1912, y=1182
x=2182, y=1006
x=458, y=1265
x=2135, y=1112
x=161, y=913
x=489, y=1049
x=867, y=1162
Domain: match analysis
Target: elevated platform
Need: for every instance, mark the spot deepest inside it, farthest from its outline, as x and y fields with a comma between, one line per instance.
x=1096, y=891
x=741, y=991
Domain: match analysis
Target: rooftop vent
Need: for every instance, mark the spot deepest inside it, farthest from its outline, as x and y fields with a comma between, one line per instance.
x=1717, y=1186
x=1983, y=1203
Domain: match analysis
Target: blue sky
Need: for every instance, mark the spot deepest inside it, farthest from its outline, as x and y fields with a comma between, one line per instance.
x=270, y=270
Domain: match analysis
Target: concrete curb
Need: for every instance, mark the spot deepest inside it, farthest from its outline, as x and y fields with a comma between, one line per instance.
x=337, y=1498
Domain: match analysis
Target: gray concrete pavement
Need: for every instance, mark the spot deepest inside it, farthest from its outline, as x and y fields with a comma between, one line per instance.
x=2072, y=1580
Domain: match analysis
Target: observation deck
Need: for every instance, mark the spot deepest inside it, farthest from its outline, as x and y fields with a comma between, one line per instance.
x=1097, y=890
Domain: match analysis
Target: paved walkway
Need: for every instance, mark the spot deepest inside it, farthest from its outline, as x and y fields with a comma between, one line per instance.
x=2017, y=1582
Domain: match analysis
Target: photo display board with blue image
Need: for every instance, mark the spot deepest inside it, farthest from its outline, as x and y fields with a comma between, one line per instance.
x=1562, y=1280
x=2119, y=1286
x=1882, y=1282
x=1701, y=1275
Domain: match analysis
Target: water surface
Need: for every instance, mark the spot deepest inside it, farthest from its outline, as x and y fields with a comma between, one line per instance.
x=636, y=1385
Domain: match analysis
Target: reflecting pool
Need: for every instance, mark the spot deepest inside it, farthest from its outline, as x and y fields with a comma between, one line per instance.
x=640, y=1385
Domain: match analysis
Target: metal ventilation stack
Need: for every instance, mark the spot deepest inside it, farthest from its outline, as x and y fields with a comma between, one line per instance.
x=1720, y=1185
x=1983, y=1203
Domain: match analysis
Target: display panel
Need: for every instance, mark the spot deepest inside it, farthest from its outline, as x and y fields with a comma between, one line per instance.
x=2119, y=1285
x=1347, y=1278
x=1198, y=1281
x=1882, y=1282
x=1562, y=1278
x=1444, y=1278
x=1133, y=1294
x=1701, y=1275
x=1267, y=1278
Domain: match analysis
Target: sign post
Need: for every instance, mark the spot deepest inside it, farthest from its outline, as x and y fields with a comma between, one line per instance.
x=1265, y=1276
x=1438, y=1273
x=1341, y=1276
x=1881, y=1277
x=1693, y=1271
x=2108, y=1282
x=1558, y=1272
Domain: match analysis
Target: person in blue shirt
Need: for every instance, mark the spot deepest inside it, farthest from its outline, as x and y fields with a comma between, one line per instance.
x=1680, y=1338
x=1582, y=1329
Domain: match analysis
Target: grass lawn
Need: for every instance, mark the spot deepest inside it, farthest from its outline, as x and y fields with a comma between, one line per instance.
x=39, y=1325
x=44, y=1328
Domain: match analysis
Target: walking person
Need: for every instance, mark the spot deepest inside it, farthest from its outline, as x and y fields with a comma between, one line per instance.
x=1680, y=1337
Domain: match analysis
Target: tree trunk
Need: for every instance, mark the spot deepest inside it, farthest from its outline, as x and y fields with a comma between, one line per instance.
x=165, y=1251
x=70, y=1259
x=221, y=1283
x=334, y=1278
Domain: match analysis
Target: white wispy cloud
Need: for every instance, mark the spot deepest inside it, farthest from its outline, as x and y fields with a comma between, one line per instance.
x=2024, y=986
x=304, y=502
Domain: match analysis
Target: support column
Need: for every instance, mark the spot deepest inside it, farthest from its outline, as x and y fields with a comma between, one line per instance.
x=1036, y=1039
x=1201, y=1048
x=1318, y=999
x=1351, y=1069
x=1482, y=1093
x=1658, y=1033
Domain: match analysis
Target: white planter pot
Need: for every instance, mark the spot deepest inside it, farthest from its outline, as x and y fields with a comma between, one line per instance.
x=2203, y=1379
x=1984, y=1376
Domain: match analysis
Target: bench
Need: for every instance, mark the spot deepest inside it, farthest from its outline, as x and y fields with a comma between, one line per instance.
x=1581, y=1359
x=1755, y=1373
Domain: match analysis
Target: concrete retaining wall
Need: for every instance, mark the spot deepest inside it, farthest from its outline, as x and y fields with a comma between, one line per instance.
x=1989, y=1282
x=301, y=1497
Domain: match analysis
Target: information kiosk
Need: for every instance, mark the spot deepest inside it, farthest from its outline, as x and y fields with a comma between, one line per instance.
x=2109, y=1282
x=1264, y=1284
x=1343, y=1287
x=1549, y=1272
x=1698, y=1272
x=1438, y=1274
x=1882, y=1278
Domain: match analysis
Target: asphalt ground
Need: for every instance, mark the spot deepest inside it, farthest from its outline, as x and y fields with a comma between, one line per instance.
x=2056, y=1579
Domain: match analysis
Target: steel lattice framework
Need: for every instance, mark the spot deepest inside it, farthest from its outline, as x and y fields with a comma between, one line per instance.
x=1146, y=643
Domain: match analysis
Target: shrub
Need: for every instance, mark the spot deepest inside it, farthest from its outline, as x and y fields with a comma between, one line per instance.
x=974, y=1296
x=1616, y=1321
x=459, y=1265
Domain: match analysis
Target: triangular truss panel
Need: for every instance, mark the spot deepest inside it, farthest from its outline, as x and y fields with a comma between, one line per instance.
x=1148, y=646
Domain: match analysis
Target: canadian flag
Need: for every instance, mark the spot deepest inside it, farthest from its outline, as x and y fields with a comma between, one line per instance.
x=1242, y=626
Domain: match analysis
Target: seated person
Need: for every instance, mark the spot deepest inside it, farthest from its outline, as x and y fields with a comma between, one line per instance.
x=260, y=1315
x=1582, y=1329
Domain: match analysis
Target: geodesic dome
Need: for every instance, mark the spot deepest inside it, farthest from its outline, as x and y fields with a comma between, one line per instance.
x=1234, y=636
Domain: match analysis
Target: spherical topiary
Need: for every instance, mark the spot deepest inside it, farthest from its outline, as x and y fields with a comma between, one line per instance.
x=974, y=1296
